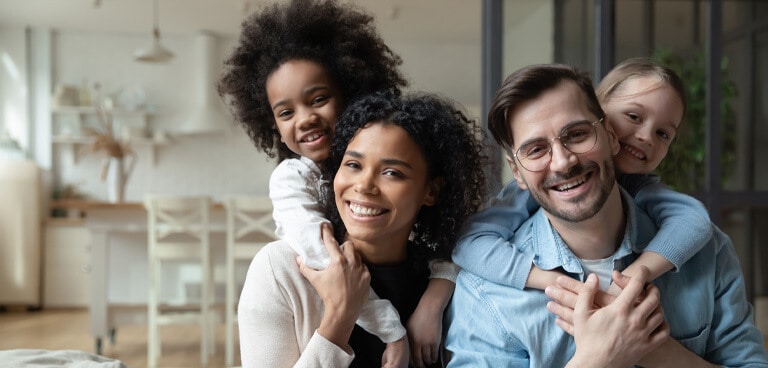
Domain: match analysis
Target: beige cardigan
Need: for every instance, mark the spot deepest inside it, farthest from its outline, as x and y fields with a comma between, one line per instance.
x=278, y=314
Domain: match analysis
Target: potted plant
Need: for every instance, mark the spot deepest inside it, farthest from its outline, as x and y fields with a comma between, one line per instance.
x=684, y=167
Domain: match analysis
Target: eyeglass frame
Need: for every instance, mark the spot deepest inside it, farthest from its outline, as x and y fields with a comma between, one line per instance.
x=550, y=143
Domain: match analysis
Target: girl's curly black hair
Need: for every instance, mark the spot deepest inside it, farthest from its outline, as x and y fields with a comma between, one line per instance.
x=339, y=37
x=452, y=150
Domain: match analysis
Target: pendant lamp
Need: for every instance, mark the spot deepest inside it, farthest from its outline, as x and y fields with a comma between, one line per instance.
x=157, y=53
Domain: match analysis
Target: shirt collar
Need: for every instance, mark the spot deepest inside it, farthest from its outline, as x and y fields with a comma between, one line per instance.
x=552, y=252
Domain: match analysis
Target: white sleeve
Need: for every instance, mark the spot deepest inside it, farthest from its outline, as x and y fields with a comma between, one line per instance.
x=443, y=270
x=294, y=188
x=277, y=313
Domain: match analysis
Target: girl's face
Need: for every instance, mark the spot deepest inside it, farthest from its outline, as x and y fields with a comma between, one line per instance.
x=380, y=187
x=645, y=113
x=306, y=104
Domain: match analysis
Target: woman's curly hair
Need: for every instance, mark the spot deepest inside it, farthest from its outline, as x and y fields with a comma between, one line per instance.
x=452, y=150
x=339, y=37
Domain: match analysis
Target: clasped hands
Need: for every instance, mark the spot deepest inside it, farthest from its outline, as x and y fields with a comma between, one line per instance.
x=610, y=331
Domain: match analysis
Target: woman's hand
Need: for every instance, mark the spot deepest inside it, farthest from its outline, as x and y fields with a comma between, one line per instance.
x=618, y=334
x=343, y=286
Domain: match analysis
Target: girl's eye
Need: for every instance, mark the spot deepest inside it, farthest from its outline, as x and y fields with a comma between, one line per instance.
x=633, y=117
x=664, y=135
x=284, y=113
x=319, y=100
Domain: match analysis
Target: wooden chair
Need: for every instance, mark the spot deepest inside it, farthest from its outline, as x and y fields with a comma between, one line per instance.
x=178, y=230
x=249, y=228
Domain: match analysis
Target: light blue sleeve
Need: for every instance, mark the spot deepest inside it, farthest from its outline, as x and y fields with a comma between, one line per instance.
x=683, y=222
x=484, y=249
x=734, y=340
x=475, y=337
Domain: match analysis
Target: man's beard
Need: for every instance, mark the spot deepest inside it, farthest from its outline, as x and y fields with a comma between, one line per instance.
x=582, y=210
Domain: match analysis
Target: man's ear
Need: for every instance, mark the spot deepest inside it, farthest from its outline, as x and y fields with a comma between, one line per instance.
x=434, y=190
x=515, y=171
x=613, y=139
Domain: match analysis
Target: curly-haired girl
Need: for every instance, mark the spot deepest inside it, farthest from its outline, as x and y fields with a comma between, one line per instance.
x=296, y=67
x=398, y=199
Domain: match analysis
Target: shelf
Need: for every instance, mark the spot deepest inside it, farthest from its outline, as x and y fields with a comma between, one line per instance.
x=92, y=110
x=83, y=141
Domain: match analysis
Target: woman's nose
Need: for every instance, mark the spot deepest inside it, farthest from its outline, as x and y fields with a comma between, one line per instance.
x=366, y=184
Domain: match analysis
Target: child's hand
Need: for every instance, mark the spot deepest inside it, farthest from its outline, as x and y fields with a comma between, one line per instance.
x=614, y=289
x=396, y=354
x=425, y=329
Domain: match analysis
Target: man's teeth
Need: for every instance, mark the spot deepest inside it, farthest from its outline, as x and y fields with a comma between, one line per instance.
x=570, y=185
x=364, y=211
x=634, y=153
x=313, y=137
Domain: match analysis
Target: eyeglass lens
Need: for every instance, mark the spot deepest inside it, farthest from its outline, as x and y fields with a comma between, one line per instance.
x=576, y=138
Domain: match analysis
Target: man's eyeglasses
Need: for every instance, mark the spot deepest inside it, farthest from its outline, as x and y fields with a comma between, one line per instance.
x=577, y=138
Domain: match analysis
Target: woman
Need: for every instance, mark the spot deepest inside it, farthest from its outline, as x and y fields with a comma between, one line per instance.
x=403, y=168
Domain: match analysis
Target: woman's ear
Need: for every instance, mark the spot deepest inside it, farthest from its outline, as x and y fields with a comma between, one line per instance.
x=433, y=191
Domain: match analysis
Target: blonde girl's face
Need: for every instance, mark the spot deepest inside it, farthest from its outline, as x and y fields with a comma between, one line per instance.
x=645, y=114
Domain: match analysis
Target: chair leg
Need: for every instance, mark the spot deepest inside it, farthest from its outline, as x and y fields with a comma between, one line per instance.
x=153, y=341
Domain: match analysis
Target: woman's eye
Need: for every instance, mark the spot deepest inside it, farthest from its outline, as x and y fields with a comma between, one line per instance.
x=352, y=165
x=393, y=173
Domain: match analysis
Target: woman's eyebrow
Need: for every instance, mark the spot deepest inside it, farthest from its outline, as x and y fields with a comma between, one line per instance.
x=396, y=162
x=387, y=161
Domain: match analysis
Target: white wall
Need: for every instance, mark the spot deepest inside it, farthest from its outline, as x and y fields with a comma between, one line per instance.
x=218, y=164
x=14, y=94
x=528, y=39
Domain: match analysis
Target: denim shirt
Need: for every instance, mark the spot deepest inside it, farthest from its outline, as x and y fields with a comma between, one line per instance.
x=492, y=325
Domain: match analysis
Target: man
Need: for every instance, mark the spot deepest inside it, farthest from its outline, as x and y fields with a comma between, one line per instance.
x=586, y=216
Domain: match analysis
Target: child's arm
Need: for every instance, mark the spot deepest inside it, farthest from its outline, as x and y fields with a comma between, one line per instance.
x=484, y=249
x=425, y=326
x=294, y=188
x=671, y=211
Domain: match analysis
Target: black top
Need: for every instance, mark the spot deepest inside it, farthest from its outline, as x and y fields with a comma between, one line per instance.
x=402, y=285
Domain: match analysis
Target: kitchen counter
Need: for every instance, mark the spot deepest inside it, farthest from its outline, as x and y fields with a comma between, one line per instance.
x=87, y=204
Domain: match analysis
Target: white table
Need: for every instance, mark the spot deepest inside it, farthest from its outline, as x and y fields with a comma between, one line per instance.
x=106, y=223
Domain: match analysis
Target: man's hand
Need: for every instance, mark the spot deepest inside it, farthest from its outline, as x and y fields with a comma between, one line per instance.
x=616, y=335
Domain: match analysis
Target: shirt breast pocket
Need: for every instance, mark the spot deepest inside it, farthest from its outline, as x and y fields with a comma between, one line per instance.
x=696, y=342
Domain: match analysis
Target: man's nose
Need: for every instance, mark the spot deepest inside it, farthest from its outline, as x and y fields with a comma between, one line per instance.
x=562, y=159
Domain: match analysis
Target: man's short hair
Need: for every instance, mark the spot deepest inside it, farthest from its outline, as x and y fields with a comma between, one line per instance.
x=528, y=83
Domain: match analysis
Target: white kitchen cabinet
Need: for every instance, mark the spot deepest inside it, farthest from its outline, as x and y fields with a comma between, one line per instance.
x=66, y=264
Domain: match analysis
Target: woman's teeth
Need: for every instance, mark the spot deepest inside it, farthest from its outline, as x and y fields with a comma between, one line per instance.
x=364, y=211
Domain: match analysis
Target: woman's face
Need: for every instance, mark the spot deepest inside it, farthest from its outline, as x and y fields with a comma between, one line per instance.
x=380, y=186
x=645, y=114
x=306, y=104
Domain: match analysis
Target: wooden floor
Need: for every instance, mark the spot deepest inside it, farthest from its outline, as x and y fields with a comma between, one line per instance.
x=58, y=329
